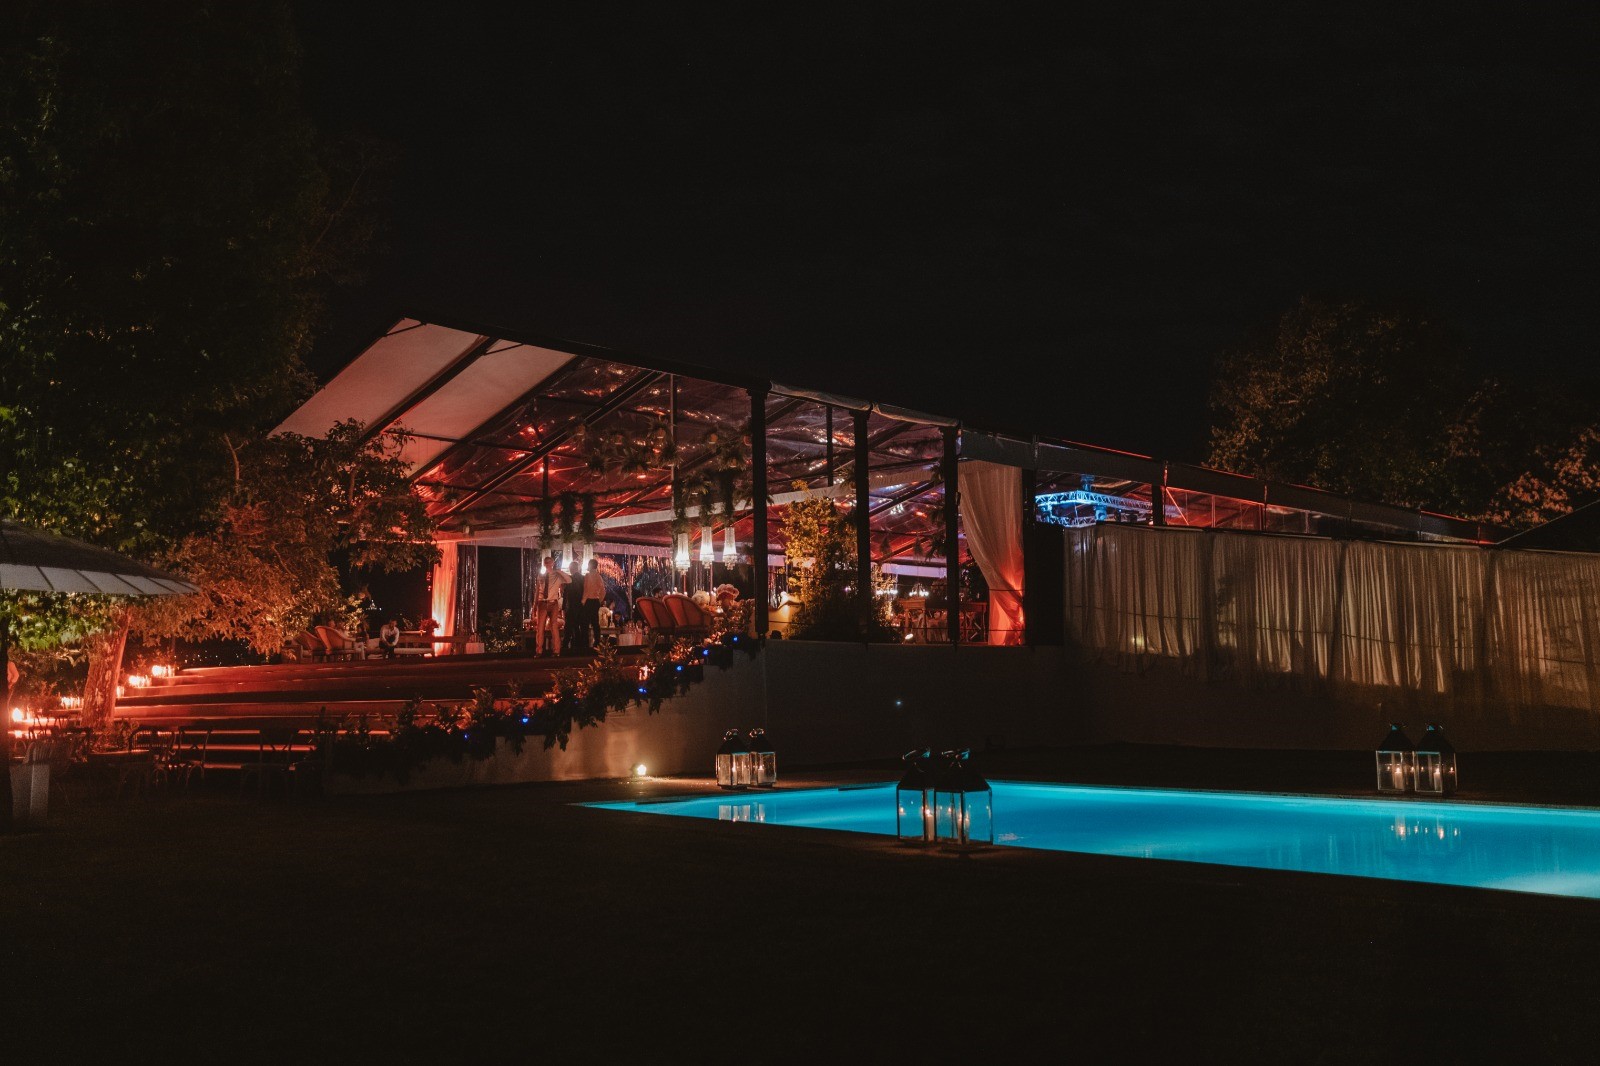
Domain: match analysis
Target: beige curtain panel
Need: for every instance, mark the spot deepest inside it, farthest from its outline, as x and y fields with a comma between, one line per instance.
x=443, y=579
x=991, y=517
x=1425, y=625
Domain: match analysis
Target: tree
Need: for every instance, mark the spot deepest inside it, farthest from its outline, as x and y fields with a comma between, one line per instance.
x=820, y=553
x=167, y=218
x=159, y=198
x=265, y=568
x=1372, y=402
x=1561, y=479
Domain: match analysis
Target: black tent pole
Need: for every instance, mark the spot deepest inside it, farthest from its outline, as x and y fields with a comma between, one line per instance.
x=758, y=506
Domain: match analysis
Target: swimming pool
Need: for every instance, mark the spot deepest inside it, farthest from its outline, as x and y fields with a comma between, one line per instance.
x=1547, y=850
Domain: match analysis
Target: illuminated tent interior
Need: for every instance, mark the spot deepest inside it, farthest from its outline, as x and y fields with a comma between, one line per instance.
x=509, y=433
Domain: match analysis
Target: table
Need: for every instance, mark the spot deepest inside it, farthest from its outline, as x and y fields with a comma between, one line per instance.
x=128, y=769
x=928, y=626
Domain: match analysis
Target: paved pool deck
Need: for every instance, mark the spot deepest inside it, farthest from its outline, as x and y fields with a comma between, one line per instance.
x=510, y=924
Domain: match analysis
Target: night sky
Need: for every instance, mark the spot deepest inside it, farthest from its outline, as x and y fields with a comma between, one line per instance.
x=1045, y=223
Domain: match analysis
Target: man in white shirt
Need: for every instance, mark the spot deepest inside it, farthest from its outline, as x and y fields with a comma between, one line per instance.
x=547, y=607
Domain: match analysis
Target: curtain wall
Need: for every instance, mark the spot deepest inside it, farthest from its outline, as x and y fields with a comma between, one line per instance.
x=443, y=583
x=1427, y=626
x=991, y=517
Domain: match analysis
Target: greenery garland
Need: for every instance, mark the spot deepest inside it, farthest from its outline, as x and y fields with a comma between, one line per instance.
x=578, y=698
x=547, y=536
x=588, y=523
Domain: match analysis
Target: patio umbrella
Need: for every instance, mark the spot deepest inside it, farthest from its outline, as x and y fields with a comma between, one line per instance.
x=35, y=561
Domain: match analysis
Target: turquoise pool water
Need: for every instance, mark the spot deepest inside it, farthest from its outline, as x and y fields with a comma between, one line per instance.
x=1548, y=850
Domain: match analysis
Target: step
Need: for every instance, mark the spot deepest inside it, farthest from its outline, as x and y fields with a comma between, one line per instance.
x=236, y=713
x=436, y=687
x=468, y=668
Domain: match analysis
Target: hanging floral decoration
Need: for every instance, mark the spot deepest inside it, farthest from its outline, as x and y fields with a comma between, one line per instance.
x=680, y=508
x=727, y=484
x=588, y=523
x=547, y=534
x=567, y=516
x=932, y=543
x=630, y=453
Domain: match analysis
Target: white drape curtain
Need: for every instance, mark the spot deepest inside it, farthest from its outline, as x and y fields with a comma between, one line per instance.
x=991, y=516
x=1275, y=602
x=1425, y=625
x=1544, y=612
x=443, y=602
x=1146, y=597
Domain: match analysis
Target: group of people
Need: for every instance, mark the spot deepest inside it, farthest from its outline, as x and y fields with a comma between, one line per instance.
x=568, y=608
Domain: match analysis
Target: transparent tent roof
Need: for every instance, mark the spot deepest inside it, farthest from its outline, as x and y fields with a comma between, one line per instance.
x=498, y=426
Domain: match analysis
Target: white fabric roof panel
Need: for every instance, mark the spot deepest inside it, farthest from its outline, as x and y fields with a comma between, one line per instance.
x=476, y=395
x=404, y=361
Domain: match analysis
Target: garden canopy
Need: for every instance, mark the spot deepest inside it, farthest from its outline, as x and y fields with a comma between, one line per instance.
x=502, y=426
x=499, y=423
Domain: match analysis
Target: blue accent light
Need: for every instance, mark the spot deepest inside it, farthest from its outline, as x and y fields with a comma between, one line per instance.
x=1065, y=508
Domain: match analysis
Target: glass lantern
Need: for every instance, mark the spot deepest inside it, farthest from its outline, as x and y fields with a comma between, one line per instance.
x=913, y=796
x=1395, y=755
x=733, y=762
x=763, y=760
x=1435, y=764
x=963, y=804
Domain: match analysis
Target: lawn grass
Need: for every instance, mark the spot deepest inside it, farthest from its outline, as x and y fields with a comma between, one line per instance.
x=507, y=923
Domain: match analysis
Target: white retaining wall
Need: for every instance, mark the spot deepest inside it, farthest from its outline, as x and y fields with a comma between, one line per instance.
x=820, y=703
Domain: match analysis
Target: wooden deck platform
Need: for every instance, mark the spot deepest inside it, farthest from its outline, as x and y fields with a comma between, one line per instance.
x=300, y=691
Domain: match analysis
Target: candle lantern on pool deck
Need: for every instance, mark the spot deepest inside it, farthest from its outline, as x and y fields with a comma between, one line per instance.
x=733, y=762
x=763, y=760
x=1434, y=765
x=963, y=804
x=1395, y=753
x=913, y=818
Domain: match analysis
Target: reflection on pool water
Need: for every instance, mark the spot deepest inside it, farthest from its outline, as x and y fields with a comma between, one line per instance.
x=1550, y=850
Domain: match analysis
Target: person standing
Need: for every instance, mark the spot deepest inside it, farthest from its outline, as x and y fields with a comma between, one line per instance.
x=371, y=616
x=547, y=608
x=594, y=594
x=572, y=609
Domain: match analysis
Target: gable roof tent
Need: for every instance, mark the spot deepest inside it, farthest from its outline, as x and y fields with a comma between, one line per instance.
x=499, y=423
x=500, y=420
